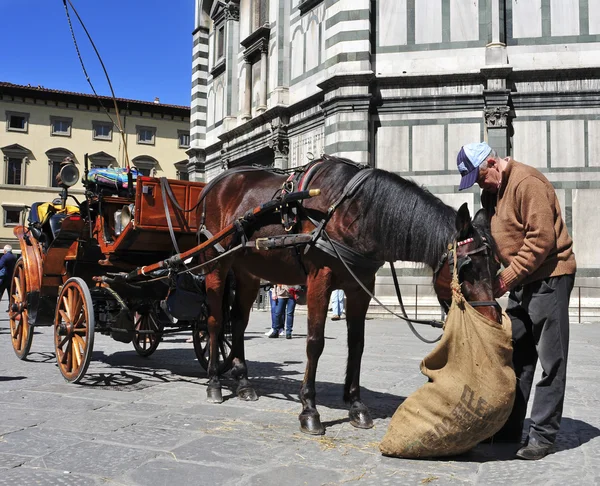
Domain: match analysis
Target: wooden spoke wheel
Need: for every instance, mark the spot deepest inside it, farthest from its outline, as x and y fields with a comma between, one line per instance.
x=74, y=325
x=20, y=330
x=148, y=333
x=202, y=349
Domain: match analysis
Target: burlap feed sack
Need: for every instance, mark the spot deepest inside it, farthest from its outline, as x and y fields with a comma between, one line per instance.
x=469, y=395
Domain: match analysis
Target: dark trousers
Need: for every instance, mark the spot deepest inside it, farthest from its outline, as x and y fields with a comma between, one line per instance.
x=539, y=312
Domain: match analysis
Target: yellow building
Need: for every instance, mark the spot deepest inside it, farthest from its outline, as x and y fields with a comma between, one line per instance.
x=40, y=126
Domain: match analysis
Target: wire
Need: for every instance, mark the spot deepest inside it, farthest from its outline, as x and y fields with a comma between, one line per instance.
x=87, y=77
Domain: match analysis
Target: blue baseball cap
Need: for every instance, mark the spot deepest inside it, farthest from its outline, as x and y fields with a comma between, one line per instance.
x=468, y=161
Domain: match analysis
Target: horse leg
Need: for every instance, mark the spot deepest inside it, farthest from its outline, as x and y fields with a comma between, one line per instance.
x=245, y=294
x=215, y=286
x=357, y=305
x=318, y=292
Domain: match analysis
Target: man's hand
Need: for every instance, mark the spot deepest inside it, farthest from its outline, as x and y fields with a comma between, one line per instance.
x=499, y=287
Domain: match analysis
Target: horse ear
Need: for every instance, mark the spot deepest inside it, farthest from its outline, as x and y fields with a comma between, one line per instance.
x=463, y=221
x=481, y=219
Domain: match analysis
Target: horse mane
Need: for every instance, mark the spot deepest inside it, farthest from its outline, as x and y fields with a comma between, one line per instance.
x=414, y=224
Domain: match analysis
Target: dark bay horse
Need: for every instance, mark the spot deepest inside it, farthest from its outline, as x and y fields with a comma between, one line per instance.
x=376, y=218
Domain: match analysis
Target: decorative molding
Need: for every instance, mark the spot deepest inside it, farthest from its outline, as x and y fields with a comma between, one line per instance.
x=232, y=11
x=218, y=68
x=256, y=43
x=307, y=5
x=280, y=142
x=496, y=116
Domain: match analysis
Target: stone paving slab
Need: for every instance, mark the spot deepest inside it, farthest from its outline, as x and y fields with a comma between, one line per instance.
x=144, y=421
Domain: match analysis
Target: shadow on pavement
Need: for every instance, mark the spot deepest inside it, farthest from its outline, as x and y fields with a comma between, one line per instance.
x=12, y=378
x=573, y=433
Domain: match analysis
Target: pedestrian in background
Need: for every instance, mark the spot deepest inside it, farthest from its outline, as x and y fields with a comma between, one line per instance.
x=336, y=304
x=7, y=266
x=537, y=252
x=284, y=311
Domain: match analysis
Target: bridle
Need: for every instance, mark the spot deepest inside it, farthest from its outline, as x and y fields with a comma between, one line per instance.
x=463, y=260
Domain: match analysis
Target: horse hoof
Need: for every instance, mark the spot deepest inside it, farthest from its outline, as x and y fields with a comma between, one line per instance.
x=311, y=424
x=213, y=395
x=247, y=394
x=360, y=418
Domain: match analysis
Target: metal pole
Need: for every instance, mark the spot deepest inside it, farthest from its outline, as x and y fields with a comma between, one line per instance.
x=416, y=300
x=579, y=292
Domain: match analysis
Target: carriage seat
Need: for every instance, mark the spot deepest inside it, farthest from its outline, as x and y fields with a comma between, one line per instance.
x=47, y=218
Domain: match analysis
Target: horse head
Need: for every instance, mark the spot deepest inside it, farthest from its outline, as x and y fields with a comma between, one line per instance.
x=476, y=264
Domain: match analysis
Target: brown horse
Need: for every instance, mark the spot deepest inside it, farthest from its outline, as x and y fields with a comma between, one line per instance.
x=370, y=216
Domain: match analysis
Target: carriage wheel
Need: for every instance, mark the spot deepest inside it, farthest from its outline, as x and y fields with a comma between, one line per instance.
x=20, y=330
x=148, y=333
x=74, y=325
x=202, y=349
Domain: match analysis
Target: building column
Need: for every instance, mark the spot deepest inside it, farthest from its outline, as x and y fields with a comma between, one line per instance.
x=495, y=50
x=497, y=112
x=263, y=78
x=280, y=143
x=196, y=166
x=247, y=113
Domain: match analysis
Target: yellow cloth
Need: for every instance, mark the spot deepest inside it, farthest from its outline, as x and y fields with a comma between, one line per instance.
x=48, y=209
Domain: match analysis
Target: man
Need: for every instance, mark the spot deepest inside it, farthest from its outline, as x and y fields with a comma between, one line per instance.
x=536, y=251
x=7, y=265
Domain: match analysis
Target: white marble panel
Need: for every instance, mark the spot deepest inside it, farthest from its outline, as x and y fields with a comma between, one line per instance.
x=594, y=16
x=459, y=135
x=428, y=147
x=392, y=149
x=585, y=228
x=529, y=143
x=594, y=143
x=464, y=20
x=392, y=23
x=297, y=54
x=564, y=17
x=428, y=21
x=567, y=143
x=312, y=45
x=456, y=200
x=527, y=18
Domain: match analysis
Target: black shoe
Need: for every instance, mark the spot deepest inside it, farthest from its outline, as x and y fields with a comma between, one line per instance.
x=273, y=334
x=288, y=335
x=534, y=450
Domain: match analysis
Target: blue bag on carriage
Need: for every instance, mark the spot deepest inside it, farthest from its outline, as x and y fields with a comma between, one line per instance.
x=112, y=177
x=187, y=301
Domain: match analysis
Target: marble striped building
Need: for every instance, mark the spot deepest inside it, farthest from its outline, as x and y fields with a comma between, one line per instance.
x=401, y=85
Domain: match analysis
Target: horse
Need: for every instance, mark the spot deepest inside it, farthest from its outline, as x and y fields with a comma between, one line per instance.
x=365, y=216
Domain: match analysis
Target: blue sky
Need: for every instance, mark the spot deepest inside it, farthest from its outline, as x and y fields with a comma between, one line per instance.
x=146, y=46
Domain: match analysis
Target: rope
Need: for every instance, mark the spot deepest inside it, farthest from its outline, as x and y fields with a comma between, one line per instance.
x=408, y=321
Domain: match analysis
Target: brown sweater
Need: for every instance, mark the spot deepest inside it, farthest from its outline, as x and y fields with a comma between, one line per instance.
x=532, y=238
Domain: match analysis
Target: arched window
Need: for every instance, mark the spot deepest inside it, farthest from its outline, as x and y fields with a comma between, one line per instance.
x=146, y=165
x=182, y=170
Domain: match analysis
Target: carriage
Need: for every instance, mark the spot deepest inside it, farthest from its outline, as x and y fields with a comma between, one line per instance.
x=70, y=250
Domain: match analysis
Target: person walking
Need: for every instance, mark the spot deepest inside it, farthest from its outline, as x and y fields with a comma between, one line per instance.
x=7, y=266
x=336, y=304
x=273, y=305
x=536, y=251
x=284, y=311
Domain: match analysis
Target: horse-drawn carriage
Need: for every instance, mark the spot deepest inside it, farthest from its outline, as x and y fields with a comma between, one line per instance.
x=69, y=251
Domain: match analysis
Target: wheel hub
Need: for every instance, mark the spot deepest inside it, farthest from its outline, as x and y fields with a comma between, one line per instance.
x=18, y=307
x=65, y=329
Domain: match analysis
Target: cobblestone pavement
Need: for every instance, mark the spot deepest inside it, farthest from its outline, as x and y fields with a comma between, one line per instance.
x=145, y=421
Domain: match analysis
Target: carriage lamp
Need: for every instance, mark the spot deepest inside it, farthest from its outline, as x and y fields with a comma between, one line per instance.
x=68, y=175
